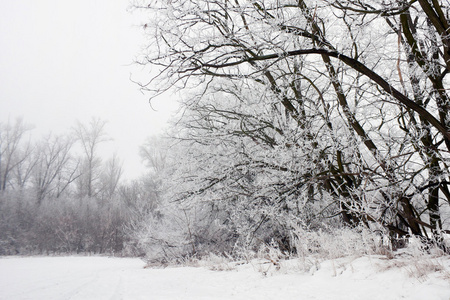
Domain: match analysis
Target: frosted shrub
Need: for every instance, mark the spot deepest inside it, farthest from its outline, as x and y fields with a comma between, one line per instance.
x=423, y=259
x=176, y=235
x=60, y=225
x=335, y=243
x=271, y=252
x=217, y=262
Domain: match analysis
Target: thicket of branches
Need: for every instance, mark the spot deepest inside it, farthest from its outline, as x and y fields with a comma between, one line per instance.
x=57, y=194
x=305, y=114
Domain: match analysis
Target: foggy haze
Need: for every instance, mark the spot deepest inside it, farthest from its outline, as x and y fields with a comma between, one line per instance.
x=62, y=61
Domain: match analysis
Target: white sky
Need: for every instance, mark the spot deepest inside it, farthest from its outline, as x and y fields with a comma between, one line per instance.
x=62, y=61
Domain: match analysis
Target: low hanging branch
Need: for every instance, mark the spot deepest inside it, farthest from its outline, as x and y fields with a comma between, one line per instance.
x=354, y=64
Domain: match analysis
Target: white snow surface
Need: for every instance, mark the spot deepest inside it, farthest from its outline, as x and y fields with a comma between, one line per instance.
x=369, y=277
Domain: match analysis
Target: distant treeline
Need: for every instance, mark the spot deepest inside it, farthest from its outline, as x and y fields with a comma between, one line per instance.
x=57, y=195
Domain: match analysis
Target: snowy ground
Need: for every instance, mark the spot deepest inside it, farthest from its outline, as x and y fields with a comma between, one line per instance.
x=372, y=277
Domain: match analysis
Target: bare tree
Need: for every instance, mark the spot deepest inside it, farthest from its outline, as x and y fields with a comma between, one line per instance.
x=12, y=151
x=53, y=160
x=90, y=137
x=153, y=154
x=111, y=175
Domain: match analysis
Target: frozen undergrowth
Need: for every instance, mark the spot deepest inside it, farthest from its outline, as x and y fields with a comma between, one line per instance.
x=413, y=261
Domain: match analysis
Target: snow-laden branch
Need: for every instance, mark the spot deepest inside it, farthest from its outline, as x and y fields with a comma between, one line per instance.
x=354, y=64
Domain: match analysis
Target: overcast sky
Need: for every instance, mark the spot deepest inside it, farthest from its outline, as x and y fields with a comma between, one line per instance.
x=62, y=61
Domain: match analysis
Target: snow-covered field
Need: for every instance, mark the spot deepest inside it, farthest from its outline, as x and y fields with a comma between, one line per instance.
x=348, y=278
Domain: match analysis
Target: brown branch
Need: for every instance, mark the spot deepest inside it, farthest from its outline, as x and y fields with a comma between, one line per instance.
x=355, y=65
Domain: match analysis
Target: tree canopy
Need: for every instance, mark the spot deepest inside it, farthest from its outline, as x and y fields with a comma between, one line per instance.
x=309, y=112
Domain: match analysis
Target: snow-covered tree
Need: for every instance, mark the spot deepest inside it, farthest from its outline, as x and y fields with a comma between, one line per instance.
x=309, y=109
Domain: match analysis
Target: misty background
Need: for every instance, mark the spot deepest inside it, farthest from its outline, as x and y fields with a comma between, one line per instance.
x=68, y=61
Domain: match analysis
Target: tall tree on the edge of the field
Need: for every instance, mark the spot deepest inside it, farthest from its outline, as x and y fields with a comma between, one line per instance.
x=374, y=72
